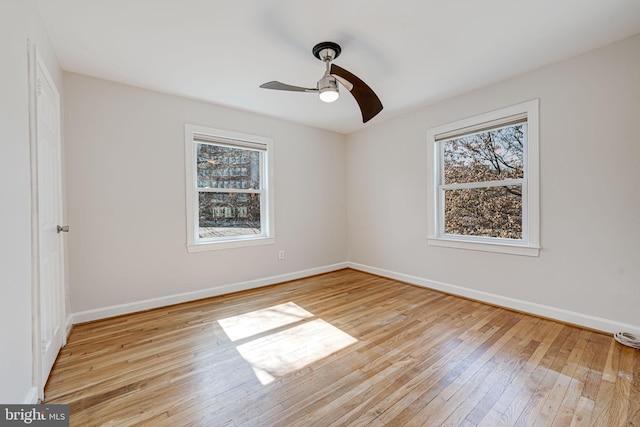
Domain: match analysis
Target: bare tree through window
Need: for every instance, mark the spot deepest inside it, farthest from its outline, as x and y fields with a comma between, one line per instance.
x=486, y=204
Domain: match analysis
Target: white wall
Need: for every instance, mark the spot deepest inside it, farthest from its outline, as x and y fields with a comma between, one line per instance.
x=588, y=270
x=126, y=199
x=19, y=22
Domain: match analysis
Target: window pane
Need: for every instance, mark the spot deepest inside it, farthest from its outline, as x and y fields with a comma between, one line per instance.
x=487, y=212
x=485, y=156
x=226, y=167
x=228, y=214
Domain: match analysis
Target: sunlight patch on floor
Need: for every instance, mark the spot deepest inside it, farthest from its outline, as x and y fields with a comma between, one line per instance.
x=258, y=321
x=286, y=350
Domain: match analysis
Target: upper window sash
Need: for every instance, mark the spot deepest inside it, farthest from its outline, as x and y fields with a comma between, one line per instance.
x=263, y=168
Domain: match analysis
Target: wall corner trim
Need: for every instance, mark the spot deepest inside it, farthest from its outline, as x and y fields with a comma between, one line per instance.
x=549, y=312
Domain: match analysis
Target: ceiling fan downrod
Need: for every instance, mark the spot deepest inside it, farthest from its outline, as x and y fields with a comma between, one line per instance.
x=327, y=85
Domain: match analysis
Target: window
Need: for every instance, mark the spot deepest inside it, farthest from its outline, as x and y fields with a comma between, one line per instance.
x=226, y=208
x=484, y=189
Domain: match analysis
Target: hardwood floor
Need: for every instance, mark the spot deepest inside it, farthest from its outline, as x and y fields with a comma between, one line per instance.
x=343, y=349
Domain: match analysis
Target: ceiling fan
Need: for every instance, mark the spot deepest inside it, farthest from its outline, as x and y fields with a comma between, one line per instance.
x=327, y=86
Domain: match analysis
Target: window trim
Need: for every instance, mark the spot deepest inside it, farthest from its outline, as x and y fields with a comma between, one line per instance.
x=194, y=134
x=529, y=245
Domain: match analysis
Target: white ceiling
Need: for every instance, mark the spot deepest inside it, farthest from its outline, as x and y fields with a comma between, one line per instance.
x=411, y=52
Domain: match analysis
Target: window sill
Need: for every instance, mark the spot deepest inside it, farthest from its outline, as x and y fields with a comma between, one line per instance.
x=486, y=247
x=229, y=244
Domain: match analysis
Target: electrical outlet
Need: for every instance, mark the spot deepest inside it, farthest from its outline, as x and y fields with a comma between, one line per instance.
x=280, y=255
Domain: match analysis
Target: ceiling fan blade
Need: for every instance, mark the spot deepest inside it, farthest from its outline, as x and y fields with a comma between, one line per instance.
x=366, y=98
x=282, y=86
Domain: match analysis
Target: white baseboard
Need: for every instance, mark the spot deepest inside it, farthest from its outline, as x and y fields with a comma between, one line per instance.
x=574, y=318
x=32, y=396
x=117, y=310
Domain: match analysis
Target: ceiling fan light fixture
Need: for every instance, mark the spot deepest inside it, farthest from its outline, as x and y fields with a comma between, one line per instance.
x=329, y=95
x=328, y=89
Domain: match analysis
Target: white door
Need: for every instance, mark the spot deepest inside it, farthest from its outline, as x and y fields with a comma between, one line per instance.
x=50, y=253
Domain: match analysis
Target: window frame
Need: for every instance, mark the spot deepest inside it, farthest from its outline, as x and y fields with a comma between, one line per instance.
x=529, y=245
x=235, y=140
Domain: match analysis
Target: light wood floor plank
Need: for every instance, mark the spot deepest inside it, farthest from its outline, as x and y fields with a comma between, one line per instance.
x=508, y=407
x=633, y=413
x=343, y=349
